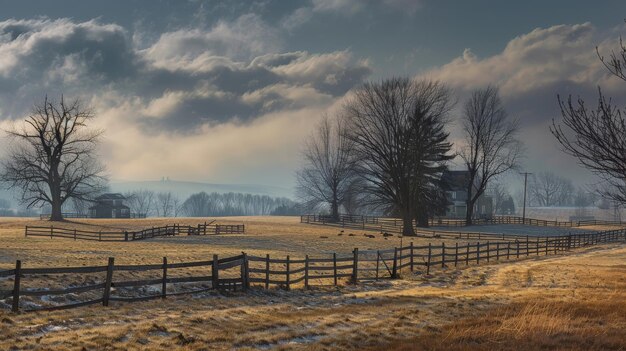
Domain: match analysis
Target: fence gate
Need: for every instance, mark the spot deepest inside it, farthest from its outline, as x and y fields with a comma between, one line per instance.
x=378, y=264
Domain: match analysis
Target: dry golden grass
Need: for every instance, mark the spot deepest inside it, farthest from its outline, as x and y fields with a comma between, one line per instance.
x=556, y=302
x=278, y=236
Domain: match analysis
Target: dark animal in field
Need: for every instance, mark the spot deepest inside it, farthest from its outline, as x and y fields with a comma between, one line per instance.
x=387, y=234
x=370, y=236
x=350, y=234
x=323, y=237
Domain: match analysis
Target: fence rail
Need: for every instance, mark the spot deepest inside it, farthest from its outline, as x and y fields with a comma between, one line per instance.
x=82, y=215
x=125, y=235
x=242, y=271
x=395, y=225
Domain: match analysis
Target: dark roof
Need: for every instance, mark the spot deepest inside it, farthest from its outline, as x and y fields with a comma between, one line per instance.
x=111, y=196
x=455, y=180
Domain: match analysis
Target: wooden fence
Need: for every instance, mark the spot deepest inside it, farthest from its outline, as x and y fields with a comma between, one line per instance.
x=125, y=235
x=395, y=225
x=111, y=289
x=81, y=215
x=360, y=265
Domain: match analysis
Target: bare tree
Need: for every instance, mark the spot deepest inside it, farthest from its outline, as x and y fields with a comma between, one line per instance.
x=176, y=206
x=329, y=167
x=597, y=136
x=164, y=204
x=398, y=128
x=548, y=189
x=141, y=202
x=491, y=147
x=54, y=156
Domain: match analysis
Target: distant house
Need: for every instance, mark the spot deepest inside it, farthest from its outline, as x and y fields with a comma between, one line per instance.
x=457, y=183
x=109, y=206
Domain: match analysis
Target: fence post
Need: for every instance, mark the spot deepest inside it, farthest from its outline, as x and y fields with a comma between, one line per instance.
x=215, y=272
x=287, y=273
x=245, y=284
x=74, y=234
x=335, y=267
x=306, y=271
x=100, y=235
x=517, y=248
x=411, y=250
x=467, y=254
x=456, y=253
x=26, y=231
x=508, y=250
x=164, y=283
x=569, y=242
x=443, y=255
x=51, y=231
x=16, y=287
x=394, y=269
x=428, y=262
x=355, y=265
x=377, y=262
x=498, y=251
x=478, y=252
x=107, y=284
x=267, y=271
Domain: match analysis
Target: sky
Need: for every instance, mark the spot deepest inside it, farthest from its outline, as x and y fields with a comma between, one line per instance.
x=226, y=91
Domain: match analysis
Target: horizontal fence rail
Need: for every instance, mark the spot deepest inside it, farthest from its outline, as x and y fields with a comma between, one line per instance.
x=395, y=225
x=125, y=235
x=113, y=282
x=83, y=215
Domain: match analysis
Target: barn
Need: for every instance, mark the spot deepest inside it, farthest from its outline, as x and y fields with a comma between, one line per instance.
x=110, y=206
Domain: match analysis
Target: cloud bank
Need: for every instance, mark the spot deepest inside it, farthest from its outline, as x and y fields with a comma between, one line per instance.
x=195, y=104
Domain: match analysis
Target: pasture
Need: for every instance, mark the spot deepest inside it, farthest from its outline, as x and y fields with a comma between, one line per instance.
x=575, y=298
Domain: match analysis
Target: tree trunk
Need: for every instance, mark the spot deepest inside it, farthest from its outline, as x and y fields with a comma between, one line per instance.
x=469, y=212
x=407, y=225
x=55, y=195
x=422, y=220
x=334, y=210
x=57, y=214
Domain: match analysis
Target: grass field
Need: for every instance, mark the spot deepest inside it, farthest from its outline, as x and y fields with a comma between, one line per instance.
x=575, y=301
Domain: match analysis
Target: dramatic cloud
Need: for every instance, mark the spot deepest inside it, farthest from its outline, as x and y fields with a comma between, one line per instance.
x=531, y=70
x=185, y=104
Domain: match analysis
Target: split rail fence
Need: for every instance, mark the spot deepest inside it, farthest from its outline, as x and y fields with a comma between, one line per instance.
x=125, y=235
x=242, y=271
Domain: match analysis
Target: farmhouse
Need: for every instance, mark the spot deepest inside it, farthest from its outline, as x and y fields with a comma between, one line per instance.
x=457, y=183
x=110, y=206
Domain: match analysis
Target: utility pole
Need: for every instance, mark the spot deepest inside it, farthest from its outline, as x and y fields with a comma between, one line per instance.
x=524, y=208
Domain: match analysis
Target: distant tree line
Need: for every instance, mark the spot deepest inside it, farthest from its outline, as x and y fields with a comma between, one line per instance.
x=202, y=204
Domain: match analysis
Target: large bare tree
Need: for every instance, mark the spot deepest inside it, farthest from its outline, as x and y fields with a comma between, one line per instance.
x=597, y=136
x=398, y=128
x=54, y=158
x=491, y=147
x=329, y=170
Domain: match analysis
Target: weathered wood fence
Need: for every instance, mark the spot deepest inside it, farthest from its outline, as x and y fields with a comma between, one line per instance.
x=242, y=271
x=125, y=235
x=395, y=225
